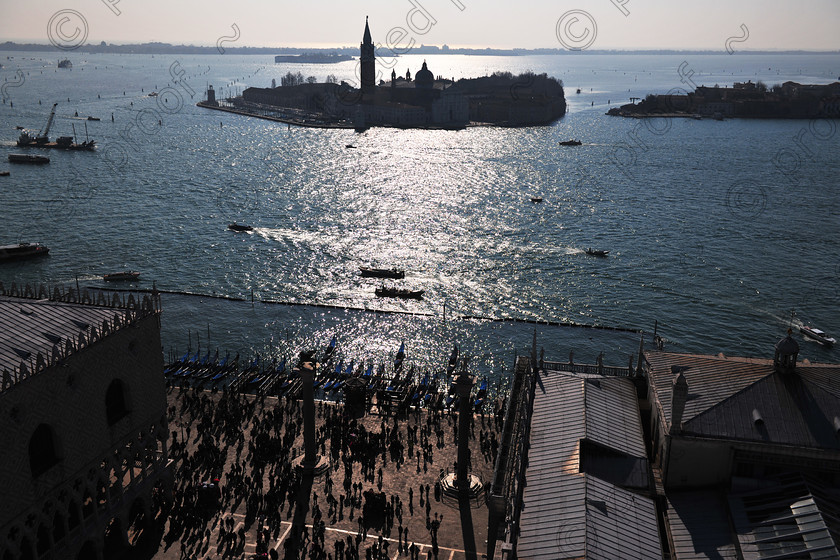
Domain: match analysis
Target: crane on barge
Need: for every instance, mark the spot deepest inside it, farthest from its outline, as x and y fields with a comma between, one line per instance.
x=28, y=139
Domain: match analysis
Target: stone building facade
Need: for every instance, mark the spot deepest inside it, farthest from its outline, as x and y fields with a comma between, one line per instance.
x=83, y=403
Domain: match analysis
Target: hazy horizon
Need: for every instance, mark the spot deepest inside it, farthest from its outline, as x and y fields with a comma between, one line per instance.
x=610, y=25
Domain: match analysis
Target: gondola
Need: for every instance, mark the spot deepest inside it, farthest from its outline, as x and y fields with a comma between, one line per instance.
x=124, y=275
x=369, y=272
x=400, y=357
x=399, y=293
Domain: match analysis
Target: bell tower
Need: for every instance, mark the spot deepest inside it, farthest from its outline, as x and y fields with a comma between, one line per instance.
x=367, y=62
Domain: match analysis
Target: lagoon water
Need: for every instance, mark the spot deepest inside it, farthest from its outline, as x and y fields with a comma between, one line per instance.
x=717, y=230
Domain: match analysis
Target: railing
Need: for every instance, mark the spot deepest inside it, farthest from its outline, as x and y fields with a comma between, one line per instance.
x=509, y=474
x=589, y=369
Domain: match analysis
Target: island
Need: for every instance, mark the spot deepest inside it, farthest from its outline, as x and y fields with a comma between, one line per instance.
x=421, y=101
x=312, y=58
x=789, y=100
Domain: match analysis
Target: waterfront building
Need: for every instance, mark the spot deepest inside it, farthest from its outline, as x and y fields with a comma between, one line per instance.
x=83, y=404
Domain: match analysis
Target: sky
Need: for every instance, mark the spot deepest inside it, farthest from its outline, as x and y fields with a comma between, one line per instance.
x=574, y=25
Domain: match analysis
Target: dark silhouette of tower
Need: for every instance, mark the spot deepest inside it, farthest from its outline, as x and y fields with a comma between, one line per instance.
x=367, y=62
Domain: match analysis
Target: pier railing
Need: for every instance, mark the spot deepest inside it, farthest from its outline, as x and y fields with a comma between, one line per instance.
x=588, y=369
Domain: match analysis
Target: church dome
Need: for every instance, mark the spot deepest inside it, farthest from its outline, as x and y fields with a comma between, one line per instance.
x=787, y=346
x=424, y=77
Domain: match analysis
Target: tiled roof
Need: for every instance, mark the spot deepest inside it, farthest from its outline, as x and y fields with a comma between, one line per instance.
x=711, y=379
x=744, y=399
x=36, y=332
x=699, y=525
x=612, y=417
x=571, y=514
x=792, y=411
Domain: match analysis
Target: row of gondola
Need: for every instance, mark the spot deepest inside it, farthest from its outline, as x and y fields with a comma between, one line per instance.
x=407, y=387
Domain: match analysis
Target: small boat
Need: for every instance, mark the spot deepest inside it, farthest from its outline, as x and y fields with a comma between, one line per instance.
x=22, y=251
x=369, y=272
x=536, y=199
x=124, y=275
x=597, y=252
x=348, y=146
x=28, y=158
x=153, y=94
x=571, y=143
x=578, y=90
x=65, y=63
x=4, y=174
x=399, y=293
x=239, y=227
x=18, y=127
x=817, y=334
x=93, y=118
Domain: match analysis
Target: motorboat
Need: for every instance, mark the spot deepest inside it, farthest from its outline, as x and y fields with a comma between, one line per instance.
x=93, y=118
x=536, y=199
x=124, y=275
x=22, y=251
x=27, y=158
x=571, y=143
x=597, y=252
x=399, y=293
x=4, y=173
x=370, y=272
x=239, y=227
x=817, y=334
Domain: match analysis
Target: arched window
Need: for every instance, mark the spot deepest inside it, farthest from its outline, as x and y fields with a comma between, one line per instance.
x=42, y=450
x=115, y=405
x=58, y=527
x=73, y=518
x=42, y=540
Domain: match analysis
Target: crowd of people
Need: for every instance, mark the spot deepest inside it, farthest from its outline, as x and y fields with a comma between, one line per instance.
x=235, y=478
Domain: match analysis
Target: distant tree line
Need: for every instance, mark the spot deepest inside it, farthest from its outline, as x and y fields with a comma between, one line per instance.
x=296, y=79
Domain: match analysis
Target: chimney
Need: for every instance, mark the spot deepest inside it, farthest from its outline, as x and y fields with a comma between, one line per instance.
x=678, y=398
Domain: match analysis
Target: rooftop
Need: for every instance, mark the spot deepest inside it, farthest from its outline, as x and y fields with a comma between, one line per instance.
x=745, y=399
x=586, y=454
x=38, y=327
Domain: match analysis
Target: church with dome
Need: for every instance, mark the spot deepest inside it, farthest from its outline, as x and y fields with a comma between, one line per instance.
x=424, y=101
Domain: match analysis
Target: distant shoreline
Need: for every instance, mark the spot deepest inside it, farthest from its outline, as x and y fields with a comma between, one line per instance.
x=166, y=48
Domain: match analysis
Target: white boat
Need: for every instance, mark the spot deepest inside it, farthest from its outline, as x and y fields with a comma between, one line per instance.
x=817, y=334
